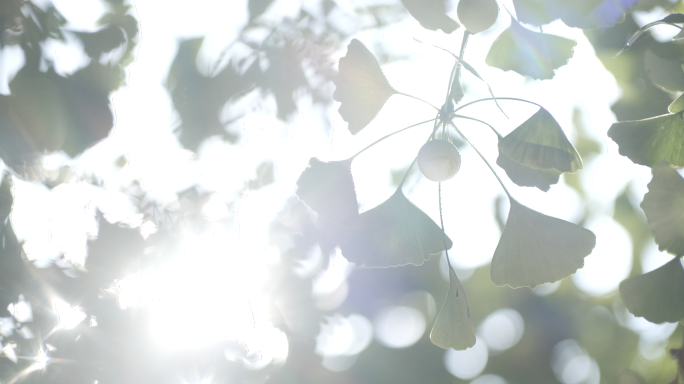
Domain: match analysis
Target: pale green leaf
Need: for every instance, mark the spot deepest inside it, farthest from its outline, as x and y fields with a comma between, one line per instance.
x=536, y=249
x=664, y=208
x=677, y=105
x=650, y=141
x=453, y=327
x=362, y=88
x=328, y=189
x=657, y=296
x=394, y=233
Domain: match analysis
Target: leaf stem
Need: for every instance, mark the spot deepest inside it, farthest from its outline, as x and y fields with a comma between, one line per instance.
x=417, y=98
x=391, y=134
x=496, y=98
x=480, y=121
x=483, y=159
x=441, y=221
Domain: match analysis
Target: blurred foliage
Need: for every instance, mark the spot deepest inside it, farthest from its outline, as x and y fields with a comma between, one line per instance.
x=48, y=112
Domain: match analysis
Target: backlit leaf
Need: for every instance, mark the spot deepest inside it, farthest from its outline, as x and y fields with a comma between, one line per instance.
x=525, y=176
x=583, y=14
x=664, y=208
x=672, y=19
x=677, y=105
x=362, y=88
x=536, y=249
x=540, y=143
x=394, y=233
x=328, y=189
x=650, y=141
x=657, y=296
x=431, y=14
x=453, y=327
x=529, y=53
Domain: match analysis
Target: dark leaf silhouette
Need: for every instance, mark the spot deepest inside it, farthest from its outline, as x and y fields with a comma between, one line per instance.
x=657, y=296
x=284, y=77
x=199, y=98
x=328, y=189
x=104, y=40
x=537, y=152
x=257, y=7
x=394, y=233
x=536, y=249
x=74, y=112
x=362, y=88
x=114, y=253
x=453, y=327
x=529, y=53
x=664, y=208
x=650, y=141
x=431, y=14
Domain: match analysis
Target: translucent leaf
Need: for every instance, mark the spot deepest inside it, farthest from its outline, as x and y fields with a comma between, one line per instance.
x=580, y=14
x=677, y=105
x=529, y=53
x=431, y=14
x=536, y=249
x=453, y=327
x=657, y=296
x=394, y=233
x=362, y=88
x=650, y=141
x=540, y=143
x=525, y=176
x=672, y=19
x=664, y=208
x=328, y=189
x=665, y=73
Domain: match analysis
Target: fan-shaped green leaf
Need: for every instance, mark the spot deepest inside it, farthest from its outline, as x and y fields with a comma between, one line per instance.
x=657, y=296
x=328, y=189
x=431, y=14
x=529, y=53
x=362, y=88
x=540, y=143
x=583, y=14
x=650, y=141
x=677, y=105
x=664, y=208
x=453, y=327
x=394, y=233
x=536, y=249
x=525, y=176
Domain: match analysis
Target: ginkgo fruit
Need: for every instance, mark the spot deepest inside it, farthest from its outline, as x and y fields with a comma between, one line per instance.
x=439, y=160
x=477, y=15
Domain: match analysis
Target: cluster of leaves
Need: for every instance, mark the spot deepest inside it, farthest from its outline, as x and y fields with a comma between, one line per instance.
x=534, y=248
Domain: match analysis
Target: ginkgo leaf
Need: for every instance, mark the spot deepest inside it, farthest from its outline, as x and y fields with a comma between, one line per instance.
x=650, y=141
x=328, y=189
x=453, y=327
x=677, y=105
x=577, y=14
x=657, y=296
x=525, y=176
x=672, y=19
x=394, y=233
x=536, y=249
x=664, y=208
x=529, y=53
x=362, y=88
x=540, y=143
x=431, y=14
